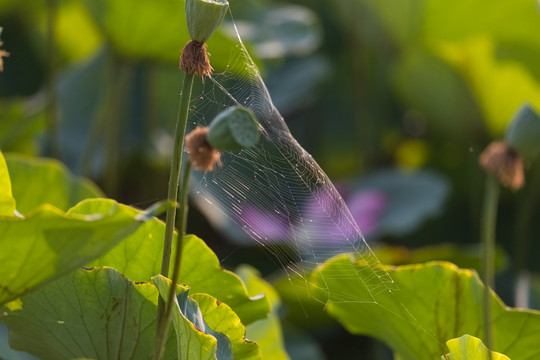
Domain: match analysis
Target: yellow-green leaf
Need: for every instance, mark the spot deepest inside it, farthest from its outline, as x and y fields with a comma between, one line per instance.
x=469, y=347
x=7, y=202
x=139, y=258
x=435, y=302
x=49, y=243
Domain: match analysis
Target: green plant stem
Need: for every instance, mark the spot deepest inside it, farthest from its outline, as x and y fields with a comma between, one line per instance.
x=99, y=121
x=52, y=114
x=94, y=138
x=113, y=128
x=182, y=217
x=183, y=211
x=174, y=179
x=488, y=227
x=524, y=215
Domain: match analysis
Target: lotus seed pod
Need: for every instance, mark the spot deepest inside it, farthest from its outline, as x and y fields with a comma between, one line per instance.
x=504, y=163
x=234, y=129
x=3, y=53
x=203, y=17
x=523, y=133
x=201, y=155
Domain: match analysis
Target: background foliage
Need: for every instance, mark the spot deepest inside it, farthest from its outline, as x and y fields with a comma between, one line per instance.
x=395, y=99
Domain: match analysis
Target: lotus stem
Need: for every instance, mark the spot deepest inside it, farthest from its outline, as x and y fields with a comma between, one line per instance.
x=488, y=228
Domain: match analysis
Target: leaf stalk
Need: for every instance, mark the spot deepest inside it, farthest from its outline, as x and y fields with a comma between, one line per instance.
x=488, y=229
x=163, y=314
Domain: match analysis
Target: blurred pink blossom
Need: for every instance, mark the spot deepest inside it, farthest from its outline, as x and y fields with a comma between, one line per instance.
x=367, y=207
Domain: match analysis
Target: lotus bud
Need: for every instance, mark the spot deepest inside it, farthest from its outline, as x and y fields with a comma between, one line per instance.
x=204, y=17
x=523, y=133
x=234, y=129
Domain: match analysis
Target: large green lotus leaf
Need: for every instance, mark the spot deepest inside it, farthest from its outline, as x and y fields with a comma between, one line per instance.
x=469, y=347
x=21, y=122
x=187, y=318
x=435, y=301
x=221, y=318
x=410, y=21
x=266, y=332
x=139, y=258
x=43, y=181
x=500, y=85
x=453, y=20
x=202, y=271
x=49, y=243
x=7, y=202
x=94, y=314
x=75, y=45
x=429, y=84
x=297, y=295
x=154, y=29
x=427, y=24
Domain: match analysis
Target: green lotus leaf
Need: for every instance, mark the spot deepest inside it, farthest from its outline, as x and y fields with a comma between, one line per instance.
x=49, y=243
x=94, y=314
x=43, y=181
x=187, y=318
x=477, y=61
x=202, y=271
x=410, y=22
x=7, y=202
x=434, y=302
x=221, y=318
x=266, y=332
x=19, y=128
x=139, y=258
x=469, y=347
x=420, y=74
x=488, y=51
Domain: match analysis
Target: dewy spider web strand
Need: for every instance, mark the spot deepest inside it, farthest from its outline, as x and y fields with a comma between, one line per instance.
x=276, y=192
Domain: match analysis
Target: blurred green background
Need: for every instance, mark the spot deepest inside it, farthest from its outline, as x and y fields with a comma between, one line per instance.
x=395, y=99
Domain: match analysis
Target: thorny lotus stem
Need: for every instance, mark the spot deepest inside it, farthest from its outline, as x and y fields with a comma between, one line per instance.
x=489, y=222
x=174, y=179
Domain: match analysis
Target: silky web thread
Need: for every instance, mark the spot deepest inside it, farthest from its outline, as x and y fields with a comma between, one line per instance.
x=277, y=185
x=276, y=190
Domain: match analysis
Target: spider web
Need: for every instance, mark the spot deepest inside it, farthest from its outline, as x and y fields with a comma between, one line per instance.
x=277, y=193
